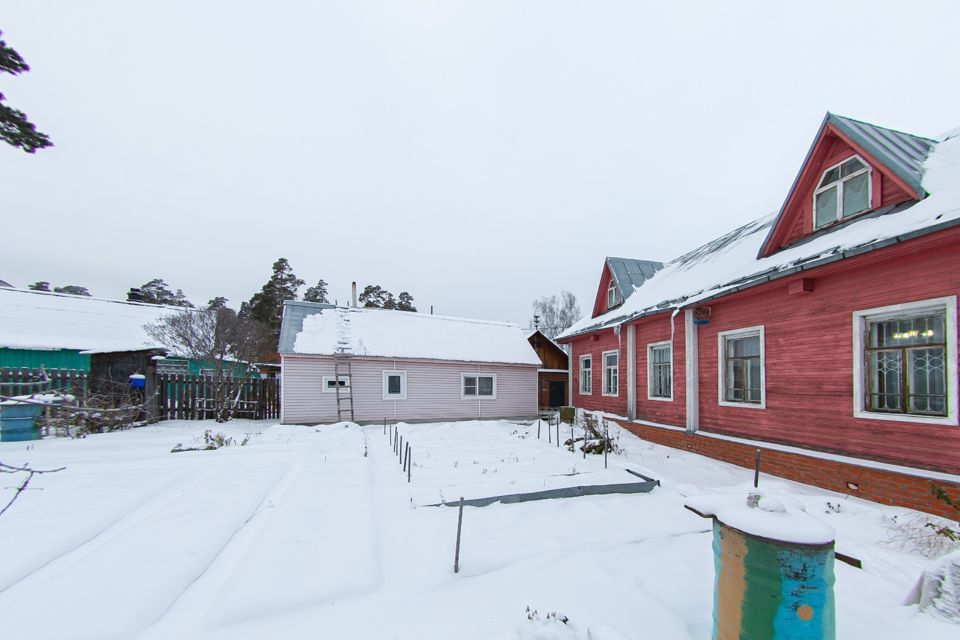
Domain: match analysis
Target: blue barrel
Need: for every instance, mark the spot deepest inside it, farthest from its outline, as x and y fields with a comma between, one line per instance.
x=18, y=421
x=774, y=568
x=771, y=590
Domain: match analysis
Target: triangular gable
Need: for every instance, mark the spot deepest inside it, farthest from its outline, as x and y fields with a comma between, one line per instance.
x=600, y=303
x=896, y=160
x=628, y=274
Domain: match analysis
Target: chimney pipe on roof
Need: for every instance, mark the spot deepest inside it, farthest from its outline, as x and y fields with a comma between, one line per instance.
x=354, y=287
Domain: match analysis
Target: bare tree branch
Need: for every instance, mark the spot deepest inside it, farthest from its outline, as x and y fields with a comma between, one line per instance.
x=6, y=468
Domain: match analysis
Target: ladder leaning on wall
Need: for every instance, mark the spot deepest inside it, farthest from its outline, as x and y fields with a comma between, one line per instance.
x=341, y=369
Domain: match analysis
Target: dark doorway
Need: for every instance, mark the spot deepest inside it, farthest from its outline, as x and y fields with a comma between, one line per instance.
x=556, y=394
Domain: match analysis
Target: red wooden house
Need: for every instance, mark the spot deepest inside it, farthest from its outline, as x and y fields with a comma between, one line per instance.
x=825, y=334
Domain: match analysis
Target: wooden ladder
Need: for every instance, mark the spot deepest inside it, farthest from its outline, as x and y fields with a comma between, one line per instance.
x=341, y=369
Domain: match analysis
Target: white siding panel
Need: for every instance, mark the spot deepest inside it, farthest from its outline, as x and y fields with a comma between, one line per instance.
x=433, y=391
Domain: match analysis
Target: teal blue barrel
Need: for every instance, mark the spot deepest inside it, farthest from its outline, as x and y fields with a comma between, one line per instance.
x=18, y=421
x=774, y=572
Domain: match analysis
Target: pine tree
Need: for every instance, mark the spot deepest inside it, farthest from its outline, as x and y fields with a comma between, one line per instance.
x=373, y=296
x=73, y=289
x=217, y=303
x=15, y=129
x=267, y=305
x=317, y=293
x=405, y=303
x=40, y=286
x=157, y=291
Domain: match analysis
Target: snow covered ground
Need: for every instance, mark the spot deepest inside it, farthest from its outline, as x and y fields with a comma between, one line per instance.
x=314, y=532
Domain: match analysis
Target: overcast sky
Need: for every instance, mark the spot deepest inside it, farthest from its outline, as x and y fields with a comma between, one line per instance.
x=478, y=154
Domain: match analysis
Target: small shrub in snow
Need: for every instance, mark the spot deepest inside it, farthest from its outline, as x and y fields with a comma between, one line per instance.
x=596, y=436
x=951, y=531
x=211, y=442
x=547, y=626
x=919, y=533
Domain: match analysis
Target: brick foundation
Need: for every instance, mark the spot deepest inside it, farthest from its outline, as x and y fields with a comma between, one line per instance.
x=877, y=485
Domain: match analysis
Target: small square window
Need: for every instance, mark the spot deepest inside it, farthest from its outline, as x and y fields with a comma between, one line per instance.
x=394, y=385
x=330, y=384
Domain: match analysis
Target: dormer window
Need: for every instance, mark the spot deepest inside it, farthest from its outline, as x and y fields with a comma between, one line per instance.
x=843, y=191
x=613, y=296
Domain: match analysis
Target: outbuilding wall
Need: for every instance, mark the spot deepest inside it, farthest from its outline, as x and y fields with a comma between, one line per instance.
x=433, y=390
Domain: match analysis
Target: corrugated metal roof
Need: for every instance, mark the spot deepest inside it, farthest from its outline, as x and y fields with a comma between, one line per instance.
x=294, y=311
x=900, y=152
x=630, y=274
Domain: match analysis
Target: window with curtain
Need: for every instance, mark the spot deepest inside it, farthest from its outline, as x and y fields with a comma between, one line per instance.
x=906, y=364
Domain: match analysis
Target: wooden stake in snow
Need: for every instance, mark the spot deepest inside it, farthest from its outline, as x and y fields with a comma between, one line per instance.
x=606, y=442
x=384, y=426
x=456, y=557
x=756, y=468
x=409, y=464
x=406, y=456
x=558, y=432
x=549, y=434
x=400, y=450
x=538, y=429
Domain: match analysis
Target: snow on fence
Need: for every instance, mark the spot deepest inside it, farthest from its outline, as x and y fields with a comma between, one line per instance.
x=190, y=397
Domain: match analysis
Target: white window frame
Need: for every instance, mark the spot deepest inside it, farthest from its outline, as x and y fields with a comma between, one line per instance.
x=839, y=185
x=745, y=332
x=328, y=389
x=603, y=373
x=476, y=374
x=650, y=347
x=586, y=392
x=613, y=295
x=860, y=319
x=403, y=384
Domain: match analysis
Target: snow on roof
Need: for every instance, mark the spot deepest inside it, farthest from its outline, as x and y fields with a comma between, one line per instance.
x=402, y=334
x=730, y=262
x=43, y=320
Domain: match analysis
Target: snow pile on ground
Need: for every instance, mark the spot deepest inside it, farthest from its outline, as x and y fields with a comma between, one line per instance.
x=314, y=532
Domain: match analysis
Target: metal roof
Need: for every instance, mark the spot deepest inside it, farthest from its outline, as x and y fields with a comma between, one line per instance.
x=294, y=311
x=900, y=152
x=630, y=274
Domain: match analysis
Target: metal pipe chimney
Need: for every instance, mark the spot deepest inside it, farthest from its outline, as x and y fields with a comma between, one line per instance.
x=354, y=288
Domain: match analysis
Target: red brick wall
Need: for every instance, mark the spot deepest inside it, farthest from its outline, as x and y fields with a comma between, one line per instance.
x=885, y=487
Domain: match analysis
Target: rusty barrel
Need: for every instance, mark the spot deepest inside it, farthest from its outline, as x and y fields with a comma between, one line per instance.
x=774, y=571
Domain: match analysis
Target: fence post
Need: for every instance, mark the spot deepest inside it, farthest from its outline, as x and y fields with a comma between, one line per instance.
x=456, y=557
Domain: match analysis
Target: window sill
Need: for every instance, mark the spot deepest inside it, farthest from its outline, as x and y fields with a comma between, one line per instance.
x=743, y=405
x=660, y=399
x=950, y=421
x=611, y=395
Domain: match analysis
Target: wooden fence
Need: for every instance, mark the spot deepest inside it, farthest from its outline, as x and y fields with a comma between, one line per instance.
x=190, y=397
x=20, y=381
x=178, y=396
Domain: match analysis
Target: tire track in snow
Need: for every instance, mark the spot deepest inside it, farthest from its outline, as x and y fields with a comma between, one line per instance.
x=13, y=591
x=191, y=605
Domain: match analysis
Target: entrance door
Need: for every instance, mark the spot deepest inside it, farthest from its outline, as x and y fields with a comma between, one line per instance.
x=556, y=393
